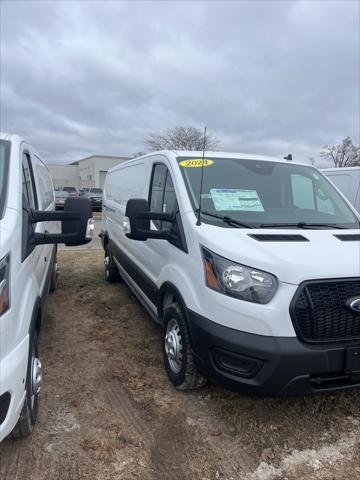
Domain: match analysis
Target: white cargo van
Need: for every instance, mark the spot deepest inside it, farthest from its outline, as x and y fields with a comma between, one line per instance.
x=347, y=180
x=260, y=291
x=28, y=270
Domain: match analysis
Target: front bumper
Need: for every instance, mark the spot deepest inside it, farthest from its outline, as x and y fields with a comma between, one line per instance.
x=13, y=370
x=270, y=366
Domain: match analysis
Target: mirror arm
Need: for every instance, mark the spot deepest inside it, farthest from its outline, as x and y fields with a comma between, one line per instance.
x=46, y=238
x=162, y=235
x=43, y=216
x=165, y=217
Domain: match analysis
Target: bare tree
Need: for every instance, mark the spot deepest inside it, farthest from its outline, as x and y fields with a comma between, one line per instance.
x=312, y=161
x=346, y=154
x=181, y=138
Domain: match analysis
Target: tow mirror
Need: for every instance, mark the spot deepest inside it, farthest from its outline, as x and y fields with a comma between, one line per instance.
x=76, y=223
x=76, y=220
x=137, y=211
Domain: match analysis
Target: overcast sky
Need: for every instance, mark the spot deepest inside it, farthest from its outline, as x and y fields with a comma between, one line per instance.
x=93, y=77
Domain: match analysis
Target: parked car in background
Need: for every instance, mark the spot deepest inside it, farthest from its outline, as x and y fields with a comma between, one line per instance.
x=71, y=190
x=347, y=180
x=28, y=271
x=95, y=196
x=255, y=277
x=93, y=190
x=60, y=197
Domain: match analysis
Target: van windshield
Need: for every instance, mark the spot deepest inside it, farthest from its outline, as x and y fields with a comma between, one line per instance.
x=264, y=194
x=4, y=166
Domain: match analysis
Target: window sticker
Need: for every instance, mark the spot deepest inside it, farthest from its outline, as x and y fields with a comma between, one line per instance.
x=196, y=162
x=233, y=199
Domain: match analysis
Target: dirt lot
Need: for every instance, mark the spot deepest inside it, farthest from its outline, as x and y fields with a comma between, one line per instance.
x=108, y=411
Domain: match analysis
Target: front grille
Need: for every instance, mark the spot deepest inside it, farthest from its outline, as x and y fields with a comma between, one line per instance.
x=320, y=314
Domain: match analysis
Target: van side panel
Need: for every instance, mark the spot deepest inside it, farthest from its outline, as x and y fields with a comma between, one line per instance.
x=347, y=180
x=127, y=181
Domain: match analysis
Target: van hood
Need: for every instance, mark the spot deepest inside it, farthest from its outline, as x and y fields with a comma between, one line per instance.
x=318, y=254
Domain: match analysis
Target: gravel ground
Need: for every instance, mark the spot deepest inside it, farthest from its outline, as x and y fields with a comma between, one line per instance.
x=108, y=411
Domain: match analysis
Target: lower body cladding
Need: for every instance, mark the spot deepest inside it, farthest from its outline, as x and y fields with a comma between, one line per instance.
x=271, y=366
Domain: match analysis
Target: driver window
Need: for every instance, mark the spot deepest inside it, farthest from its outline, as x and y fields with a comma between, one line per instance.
x=28, y=188
x=323, y=202
x=162, y=194
x=302, y=192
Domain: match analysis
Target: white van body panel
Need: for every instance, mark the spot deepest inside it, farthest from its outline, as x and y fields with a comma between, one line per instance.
x=347, y=181
x=27, y=279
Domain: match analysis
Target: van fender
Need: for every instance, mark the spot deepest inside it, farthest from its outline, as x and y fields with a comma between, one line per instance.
x=29, y=316
x=185, y=288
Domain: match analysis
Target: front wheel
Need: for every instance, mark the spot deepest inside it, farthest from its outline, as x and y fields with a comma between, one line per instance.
x=178, y=358
x=29, y=412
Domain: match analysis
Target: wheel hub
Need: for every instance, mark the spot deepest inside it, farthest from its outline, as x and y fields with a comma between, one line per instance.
x=36, y=376
x=106, y=264
x=173, y=345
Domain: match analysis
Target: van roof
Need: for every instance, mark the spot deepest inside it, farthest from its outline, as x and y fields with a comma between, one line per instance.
x=10, y=137
x=209, y=154
x=341, y=169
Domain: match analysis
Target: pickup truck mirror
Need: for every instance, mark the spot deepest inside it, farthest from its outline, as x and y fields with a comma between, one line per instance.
x=76, y=225
x=137, y=211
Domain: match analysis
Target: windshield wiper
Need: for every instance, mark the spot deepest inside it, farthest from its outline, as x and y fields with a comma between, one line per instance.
x=304, y=225
x=228, y=220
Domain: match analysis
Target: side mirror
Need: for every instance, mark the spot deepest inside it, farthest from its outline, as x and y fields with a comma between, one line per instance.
x=137, y=210
x=79, y=229
x=76, y=225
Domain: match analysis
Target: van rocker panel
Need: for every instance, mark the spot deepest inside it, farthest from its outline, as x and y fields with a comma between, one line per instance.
x=268, y=366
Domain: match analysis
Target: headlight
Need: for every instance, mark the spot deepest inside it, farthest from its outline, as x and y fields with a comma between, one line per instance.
x=238, y=280
x=4, y=284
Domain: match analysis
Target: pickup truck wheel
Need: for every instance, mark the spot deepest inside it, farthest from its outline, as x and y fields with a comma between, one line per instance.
x=29, y=412
x=178, y=358
x=54, y=276
x=111, y=272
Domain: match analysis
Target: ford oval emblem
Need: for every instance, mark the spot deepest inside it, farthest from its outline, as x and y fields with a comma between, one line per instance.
x=354, y=304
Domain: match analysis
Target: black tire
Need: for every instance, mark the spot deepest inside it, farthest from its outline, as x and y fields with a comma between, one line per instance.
x=29, y=412
x=54, y=276
x=111, y=272
x=181, y=369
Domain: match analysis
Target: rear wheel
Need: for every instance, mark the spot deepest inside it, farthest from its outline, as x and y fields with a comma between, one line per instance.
x=29, y=412
x=178, y=358
x=111, y=272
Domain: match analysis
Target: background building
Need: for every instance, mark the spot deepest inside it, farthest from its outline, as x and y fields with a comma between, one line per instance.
x=87, y=172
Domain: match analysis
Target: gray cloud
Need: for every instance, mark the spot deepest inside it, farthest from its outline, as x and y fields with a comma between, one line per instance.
x=272, y=77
